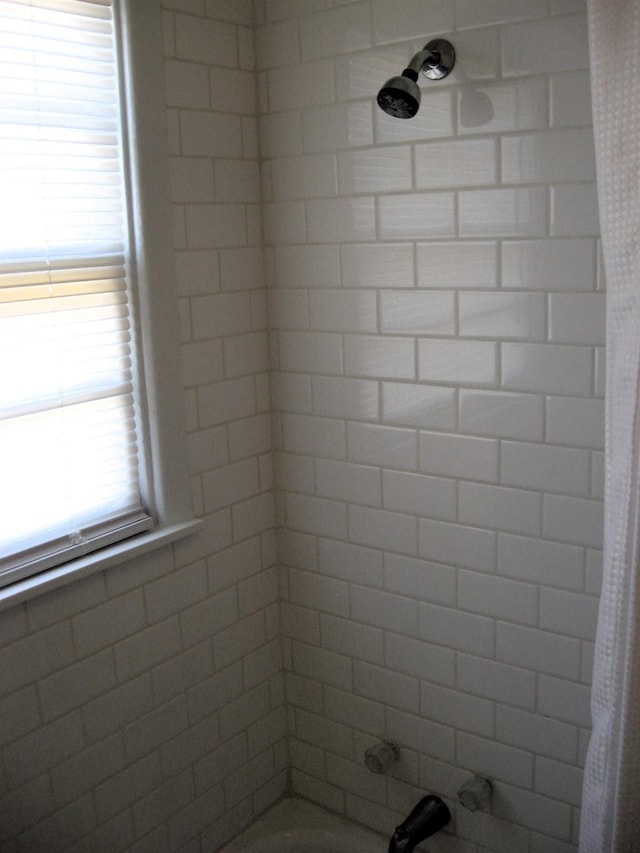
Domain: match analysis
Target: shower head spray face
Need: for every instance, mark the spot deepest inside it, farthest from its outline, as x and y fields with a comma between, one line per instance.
x=400, y=96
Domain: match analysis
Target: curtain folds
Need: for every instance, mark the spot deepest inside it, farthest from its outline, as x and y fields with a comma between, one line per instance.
x=610, y=821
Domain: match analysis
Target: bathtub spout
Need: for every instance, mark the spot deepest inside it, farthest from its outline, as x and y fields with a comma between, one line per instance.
x=426, y=818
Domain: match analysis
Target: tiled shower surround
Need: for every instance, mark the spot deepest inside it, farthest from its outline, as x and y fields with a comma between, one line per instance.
x=393, y=340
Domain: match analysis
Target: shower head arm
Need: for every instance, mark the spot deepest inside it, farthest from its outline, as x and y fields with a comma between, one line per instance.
x=423, y=57
x=435, y=60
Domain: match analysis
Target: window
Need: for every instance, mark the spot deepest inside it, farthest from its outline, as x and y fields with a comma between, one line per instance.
x=89, y=455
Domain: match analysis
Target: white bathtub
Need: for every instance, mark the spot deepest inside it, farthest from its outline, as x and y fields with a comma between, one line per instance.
x=300, y=826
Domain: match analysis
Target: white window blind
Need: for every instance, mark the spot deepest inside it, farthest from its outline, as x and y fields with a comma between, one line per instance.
x=70, y=457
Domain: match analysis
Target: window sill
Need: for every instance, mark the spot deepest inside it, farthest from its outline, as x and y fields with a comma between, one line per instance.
x=98, y=561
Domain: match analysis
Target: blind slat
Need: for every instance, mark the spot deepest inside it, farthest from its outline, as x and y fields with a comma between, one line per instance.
x=59, y=290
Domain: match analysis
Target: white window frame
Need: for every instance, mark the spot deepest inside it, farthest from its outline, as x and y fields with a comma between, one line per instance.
x=141, y=40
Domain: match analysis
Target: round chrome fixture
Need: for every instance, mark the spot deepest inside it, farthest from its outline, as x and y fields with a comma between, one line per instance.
x=400, y=96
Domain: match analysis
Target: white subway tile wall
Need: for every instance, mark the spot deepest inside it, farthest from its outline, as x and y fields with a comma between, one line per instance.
x=396, y=329
x=457, y=345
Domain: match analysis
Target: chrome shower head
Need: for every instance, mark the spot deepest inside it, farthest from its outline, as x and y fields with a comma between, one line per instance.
x=400, y=96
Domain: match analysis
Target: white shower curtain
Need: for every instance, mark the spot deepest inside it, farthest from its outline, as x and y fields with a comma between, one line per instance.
x=611, y=793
